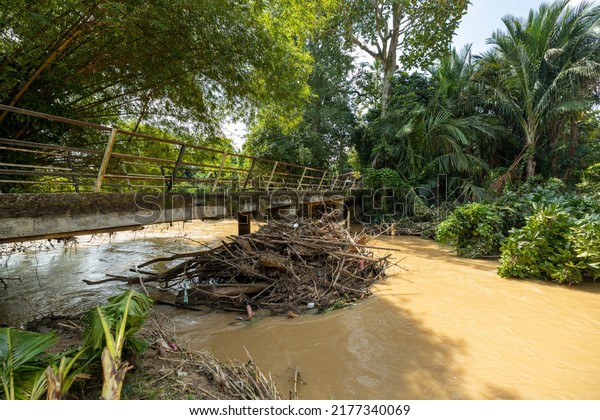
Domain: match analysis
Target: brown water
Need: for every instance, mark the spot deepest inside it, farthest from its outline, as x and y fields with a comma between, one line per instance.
x=446, y=328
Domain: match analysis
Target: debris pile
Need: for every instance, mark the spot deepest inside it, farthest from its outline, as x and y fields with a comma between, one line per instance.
x=283, y=266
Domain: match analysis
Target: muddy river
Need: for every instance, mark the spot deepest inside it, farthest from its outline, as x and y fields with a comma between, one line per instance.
x=440, y=327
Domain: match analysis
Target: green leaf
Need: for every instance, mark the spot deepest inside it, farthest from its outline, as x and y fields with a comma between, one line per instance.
x=20, y=370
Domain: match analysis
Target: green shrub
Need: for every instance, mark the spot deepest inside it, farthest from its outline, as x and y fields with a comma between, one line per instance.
x=473, y=230
x=553, y=245
x=382, y=178
x=590, y=182
x=585, y=238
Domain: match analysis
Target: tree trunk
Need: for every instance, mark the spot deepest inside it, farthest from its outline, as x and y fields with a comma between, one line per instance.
x=388, y=72
x=530, y=142
x=54, y=384
x=572, y=147
x=49, y=59
x=530, y=168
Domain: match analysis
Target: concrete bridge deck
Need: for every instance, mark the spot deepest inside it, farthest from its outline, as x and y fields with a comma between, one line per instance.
x=26, y=217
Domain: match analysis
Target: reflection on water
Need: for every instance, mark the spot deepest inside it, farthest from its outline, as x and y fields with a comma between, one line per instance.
x=446, y=328
x=47, y=279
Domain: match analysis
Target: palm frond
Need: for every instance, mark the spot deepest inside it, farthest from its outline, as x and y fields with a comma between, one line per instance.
x=20, y=367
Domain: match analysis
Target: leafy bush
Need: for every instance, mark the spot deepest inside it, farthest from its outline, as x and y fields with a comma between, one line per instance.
x=473, y=230
x=553, y=245
x=585, y=238
x=590, y=182
x=523, y=202
x=23, y=360
x=382, y=178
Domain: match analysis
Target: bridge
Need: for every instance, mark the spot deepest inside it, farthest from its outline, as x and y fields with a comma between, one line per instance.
x=108, y=179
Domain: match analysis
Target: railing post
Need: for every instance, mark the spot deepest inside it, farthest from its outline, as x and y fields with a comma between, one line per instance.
x=301, y=179
x=74, y=177
x=322, y=179
x=105, y=159
x=214, y=188
x=127, y=175
x=271, y=176
x=177, y=163
x=335, y=182
x=249, y=174
x=287, y=177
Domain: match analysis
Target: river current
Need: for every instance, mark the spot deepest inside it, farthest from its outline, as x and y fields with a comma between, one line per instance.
x=437, y=327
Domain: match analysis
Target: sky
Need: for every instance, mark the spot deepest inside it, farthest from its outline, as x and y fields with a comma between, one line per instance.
x=485, y=16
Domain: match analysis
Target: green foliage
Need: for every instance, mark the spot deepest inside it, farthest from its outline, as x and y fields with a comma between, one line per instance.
x=553, y=245
x=430, y=130
x=542, y=230
x=473, y=230
x=109, y=335
x=412, y=32
x=590, y=182
x=22, y=363
x=585, y=239
x=382, y=178
x=319, y=134
x=537, y=192
x=131, y=306
x=541, y=75
x=159, y=60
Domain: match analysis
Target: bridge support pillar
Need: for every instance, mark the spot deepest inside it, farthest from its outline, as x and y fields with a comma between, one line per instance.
x=243, y=224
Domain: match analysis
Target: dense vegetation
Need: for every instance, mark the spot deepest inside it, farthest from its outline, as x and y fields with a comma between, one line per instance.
x=541, y=230
x=28, y=371
x=428, y=129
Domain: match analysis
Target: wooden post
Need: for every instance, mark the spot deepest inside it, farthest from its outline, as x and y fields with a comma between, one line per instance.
x=127, y=175
x=322, y=179
x=348, y=218
x=335, y=182
x=105, y=159
x=301, y=179
x=214, y=188
x=287, y=177
x=74, y=177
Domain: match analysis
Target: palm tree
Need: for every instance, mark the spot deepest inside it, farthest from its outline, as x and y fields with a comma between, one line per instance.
x=442, y=135
x=541, y=71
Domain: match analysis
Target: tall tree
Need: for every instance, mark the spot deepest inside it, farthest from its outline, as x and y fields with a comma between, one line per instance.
x=412, y=32
x=321, y=136
x=433, y=126
x=158, y=60
x=542, y=70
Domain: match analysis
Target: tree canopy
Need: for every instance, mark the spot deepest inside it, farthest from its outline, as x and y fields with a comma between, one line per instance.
x=184, y=61
x=419, y=110
x=412, y=32
x=543, y=72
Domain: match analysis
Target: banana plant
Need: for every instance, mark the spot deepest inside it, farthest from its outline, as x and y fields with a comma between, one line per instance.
x=21, y=364
x=112, y=327
x=60, y=377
